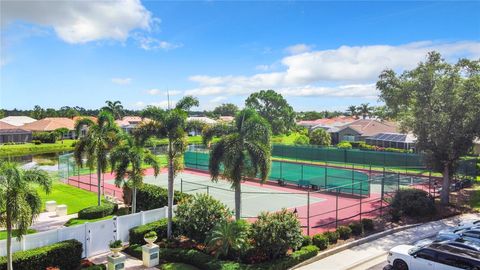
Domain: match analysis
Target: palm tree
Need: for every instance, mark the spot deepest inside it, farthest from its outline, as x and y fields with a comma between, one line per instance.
x=126, y=160
x=243, y=153
x=20, y=203
x=115, y=108
x=170, y=124
x=101, y=137
x=228, y=236
x=352, y=111
x=365, y=110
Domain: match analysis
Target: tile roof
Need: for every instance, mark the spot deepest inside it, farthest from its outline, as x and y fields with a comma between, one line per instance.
x=203, y=119
x=17, y=120
x=50, y=124
x=11, y=129
x=371, y=127
x=328, y=122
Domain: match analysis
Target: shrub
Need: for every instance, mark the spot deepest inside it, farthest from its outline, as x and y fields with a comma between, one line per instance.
x=229, y=239
x=275, y=233
x=307, y=241
x=413, y=203
x=152, y=197
x=137, y=234
x=95, y=267
x=356, y=228
x=150, y=234
x=97, y=211
x=344, y=145
x=320, y=240
x=196, y=217
x=64, y=255
x=302, y=140
x=320, y=137
x=44, y=137
x=344, y=232
x=115, y=244
x=332, y=237
x=36, y=142
x=367, y=224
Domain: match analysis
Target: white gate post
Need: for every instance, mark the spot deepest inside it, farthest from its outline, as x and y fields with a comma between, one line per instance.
x=143, y=217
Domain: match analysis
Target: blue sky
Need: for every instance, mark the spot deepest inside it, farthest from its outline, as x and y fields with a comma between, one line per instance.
x=319, y=55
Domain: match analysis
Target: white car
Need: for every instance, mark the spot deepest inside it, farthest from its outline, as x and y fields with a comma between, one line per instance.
x=435, y=256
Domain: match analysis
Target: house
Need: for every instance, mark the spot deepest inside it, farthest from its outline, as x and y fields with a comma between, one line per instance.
x=17, y=120
x=326, y=123
x=10, y=133
x=196, y=130
x=129, y=123
x=226, y=119
x=393, y=140
x=361, y=129
x=51, y=124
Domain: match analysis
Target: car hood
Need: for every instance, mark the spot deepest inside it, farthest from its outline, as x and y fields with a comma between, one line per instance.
x=402, y=249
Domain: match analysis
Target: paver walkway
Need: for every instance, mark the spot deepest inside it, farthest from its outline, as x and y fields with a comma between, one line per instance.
x=130, y=264
x=353, y=257
x=50, y=221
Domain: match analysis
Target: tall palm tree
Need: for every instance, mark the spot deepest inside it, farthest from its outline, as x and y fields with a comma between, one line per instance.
x=115, y=108
x=101, y=137
x=126, y=160
x=352, y=111
x=170, y=124
x=19, y=200
x=244, y=152
x=364, y=109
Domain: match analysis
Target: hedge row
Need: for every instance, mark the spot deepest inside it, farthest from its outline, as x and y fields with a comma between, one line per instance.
x=97, y=211
x=65, y=255
x=160, y=227
x=152, y=197
x=207, y=262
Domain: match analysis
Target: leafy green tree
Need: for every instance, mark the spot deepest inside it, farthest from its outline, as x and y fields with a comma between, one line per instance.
x=50, y=112
x=244, y=152
x=126, y=160
x=2, y=113
x=382, y=112
x=439, y=103
x=302, y=140
x=101, y=137
x=19, y=200
x=228, y=237
x=352, y=111
x=321, y=137
x=71, y=112
x=310, y=115
x=170, y=124
x=115, y=108
x=195, y=126
x=365, y=110
x=226, y=109
x=38, y=112
x=61, y=132
x=273, y=107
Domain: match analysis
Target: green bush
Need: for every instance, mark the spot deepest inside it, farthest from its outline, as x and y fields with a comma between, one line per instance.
x=44, y=137
x=302, y=140
x=97, y=211
x=356, y=227
x=413, y=203
x=229, y=239
x=95, y=267
x=344, y=145
x=197, y=216
x=367, y=224
x=332, y=236
x=307, y=241
x=65, y=255
x=275, y=233
x=36, y=142
x=344, y=232
x=160, y=227
x=320, y=137
x=152, y=197
x=320, y=240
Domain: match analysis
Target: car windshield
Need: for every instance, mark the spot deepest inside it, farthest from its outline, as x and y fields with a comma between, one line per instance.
x=413, y=250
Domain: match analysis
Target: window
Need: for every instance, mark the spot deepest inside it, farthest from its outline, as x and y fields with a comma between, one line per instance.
x=426, y=254
x=454, y=261
x=348, y=138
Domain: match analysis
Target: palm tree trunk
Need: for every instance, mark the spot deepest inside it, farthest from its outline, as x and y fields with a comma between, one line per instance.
x=238, y=200
x=445, y=194
x=170, y=190
x=134, y=200
x=9, y=240
x=99, y=183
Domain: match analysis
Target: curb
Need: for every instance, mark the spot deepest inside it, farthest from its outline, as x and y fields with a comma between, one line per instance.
x=361, y=241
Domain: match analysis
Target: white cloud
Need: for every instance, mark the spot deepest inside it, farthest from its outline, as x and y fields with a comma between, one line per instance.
x=218, y=99
x=298, y=48
x=82, y=21
x=350, y=69
x=155, y=92
x=149, y=43
x=121, y=81
x=162, y=104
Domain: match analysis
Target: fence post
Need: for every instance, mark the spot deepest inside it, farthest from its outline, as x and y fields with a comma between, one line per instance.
x=353, y=178
x=143, y=217
x=208, y=190
x=181, y=185
x=336, y=210
x=308, y=213
x=361, y=191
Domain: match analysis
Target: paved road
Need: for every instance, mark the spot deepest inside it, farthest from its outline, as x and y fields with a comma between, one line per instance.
x=373, y=254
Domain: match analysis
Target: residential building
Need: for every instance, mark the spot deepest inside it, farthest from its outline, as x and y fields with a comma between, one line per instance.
x=10, y=133
x=201, y=119
x=326, y=123
x=51, y=124
x=393, y=140
x=362, y=129
x=17, y=120
x=129, y=123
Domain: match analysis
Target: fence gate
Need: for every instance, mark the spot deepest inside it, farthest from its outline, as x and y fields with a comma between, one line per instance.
x=99, y=235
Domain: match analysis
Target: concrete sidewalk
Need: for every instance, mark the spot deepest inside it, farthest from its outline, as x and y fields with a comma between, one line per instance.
x=50, y=221
x=357, y=257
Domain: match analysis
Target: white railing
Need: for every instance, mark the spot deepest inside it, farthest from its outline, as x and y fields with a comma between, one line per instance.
x=94, y=236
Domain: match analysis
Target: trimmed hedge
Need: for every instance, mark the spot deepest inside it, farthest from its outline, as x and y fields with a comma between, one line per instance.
x=344, y=232
x=97, y=211
x=332, y=237
x=207, y=262
x=152, y=197
x=65, y=255
x=160, y=227
x=413, y=203
x=320, y=240
x=307, y=241
x=356, y=227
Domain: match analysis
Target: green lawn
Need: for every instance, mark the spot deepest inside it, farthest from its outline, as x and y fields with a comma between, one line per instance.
x=30, y=148
x=285, y=139
x=75, y=198
x=3, y=234
x=77, y=221
x=176, y=266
